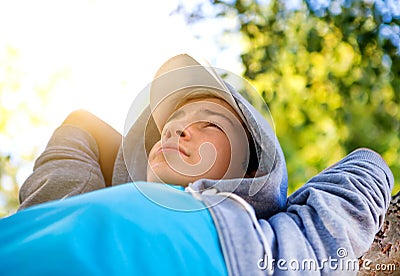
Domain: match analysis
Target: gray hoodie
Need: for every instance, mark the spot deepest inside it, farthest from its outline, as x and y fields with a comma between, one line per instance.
x=321, y=229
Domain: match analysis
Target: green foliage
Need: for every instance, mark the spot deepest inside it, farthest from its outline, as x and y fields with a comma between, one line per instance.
x=8, y=186
x=20, y=112
x=332, y=84
x=8, y=183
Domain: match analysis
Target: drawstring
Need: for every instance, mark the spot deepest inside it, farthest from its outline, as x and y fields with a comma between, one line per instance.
x=193, y=192
x=266, y=261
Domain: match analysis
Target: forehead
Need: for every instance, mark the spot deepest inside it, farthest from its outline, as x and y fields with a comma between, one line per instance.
x=213, y=100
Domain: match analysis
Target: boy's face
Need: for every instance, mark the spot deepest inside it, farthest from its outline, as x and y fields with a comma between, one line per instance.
x=198, y=141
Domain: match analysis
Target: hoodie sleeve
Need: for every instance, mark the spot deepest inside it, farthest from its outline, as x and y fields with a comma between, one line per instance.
x=68, y=166
x=336, y=214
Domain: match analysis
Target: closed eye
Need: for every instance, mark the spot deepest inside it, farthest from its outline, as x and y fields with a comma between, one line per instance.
x=211, y=124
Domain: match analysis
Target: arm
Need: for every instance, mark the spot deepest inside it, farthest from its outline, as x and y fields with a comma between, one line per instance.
x=76, y=160
x=341, y=208
x=108, y=140
x=329, y=222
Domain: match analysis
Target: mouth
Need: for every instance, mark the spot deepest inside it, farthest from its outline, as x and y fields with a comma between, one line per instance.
x=175, y=148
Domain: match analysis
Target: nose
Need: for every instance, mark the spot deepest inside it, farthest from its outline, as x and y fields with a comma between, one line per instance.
x=175, y=130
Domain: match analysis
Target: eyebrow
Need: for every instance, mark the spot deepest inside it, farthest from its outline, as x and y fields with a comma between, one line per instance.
x=181, y=113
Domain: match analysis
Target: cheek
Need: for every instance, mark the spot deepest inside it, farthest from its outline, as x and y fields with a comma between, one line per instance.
x=223, y=160
x=223, y=148
x=152, y=153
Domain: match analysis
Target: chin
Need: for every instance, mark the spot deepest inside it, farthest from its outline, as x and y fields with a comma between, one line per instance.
x=160, y=176
x=176, y=180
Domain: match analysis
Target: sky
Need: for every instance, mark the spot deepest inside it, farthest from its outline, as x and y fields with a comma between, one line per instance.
x=93, y=55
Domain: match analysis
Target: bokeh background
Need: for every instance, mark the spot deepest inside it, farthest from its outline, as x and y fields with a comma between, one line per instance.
x=328, y=70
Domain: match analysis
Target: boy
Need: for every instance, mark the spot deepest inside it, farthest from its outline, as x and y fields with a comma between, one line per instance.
x=201, y=134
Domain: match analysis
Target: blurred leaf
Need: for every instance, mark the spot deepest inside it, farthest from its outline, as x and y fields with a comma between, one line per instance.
x=330, y=73
x=17, y=112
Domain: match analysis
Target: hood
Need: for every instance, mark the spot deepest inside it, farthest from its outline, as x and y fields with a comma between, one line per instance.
x=266, y=192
